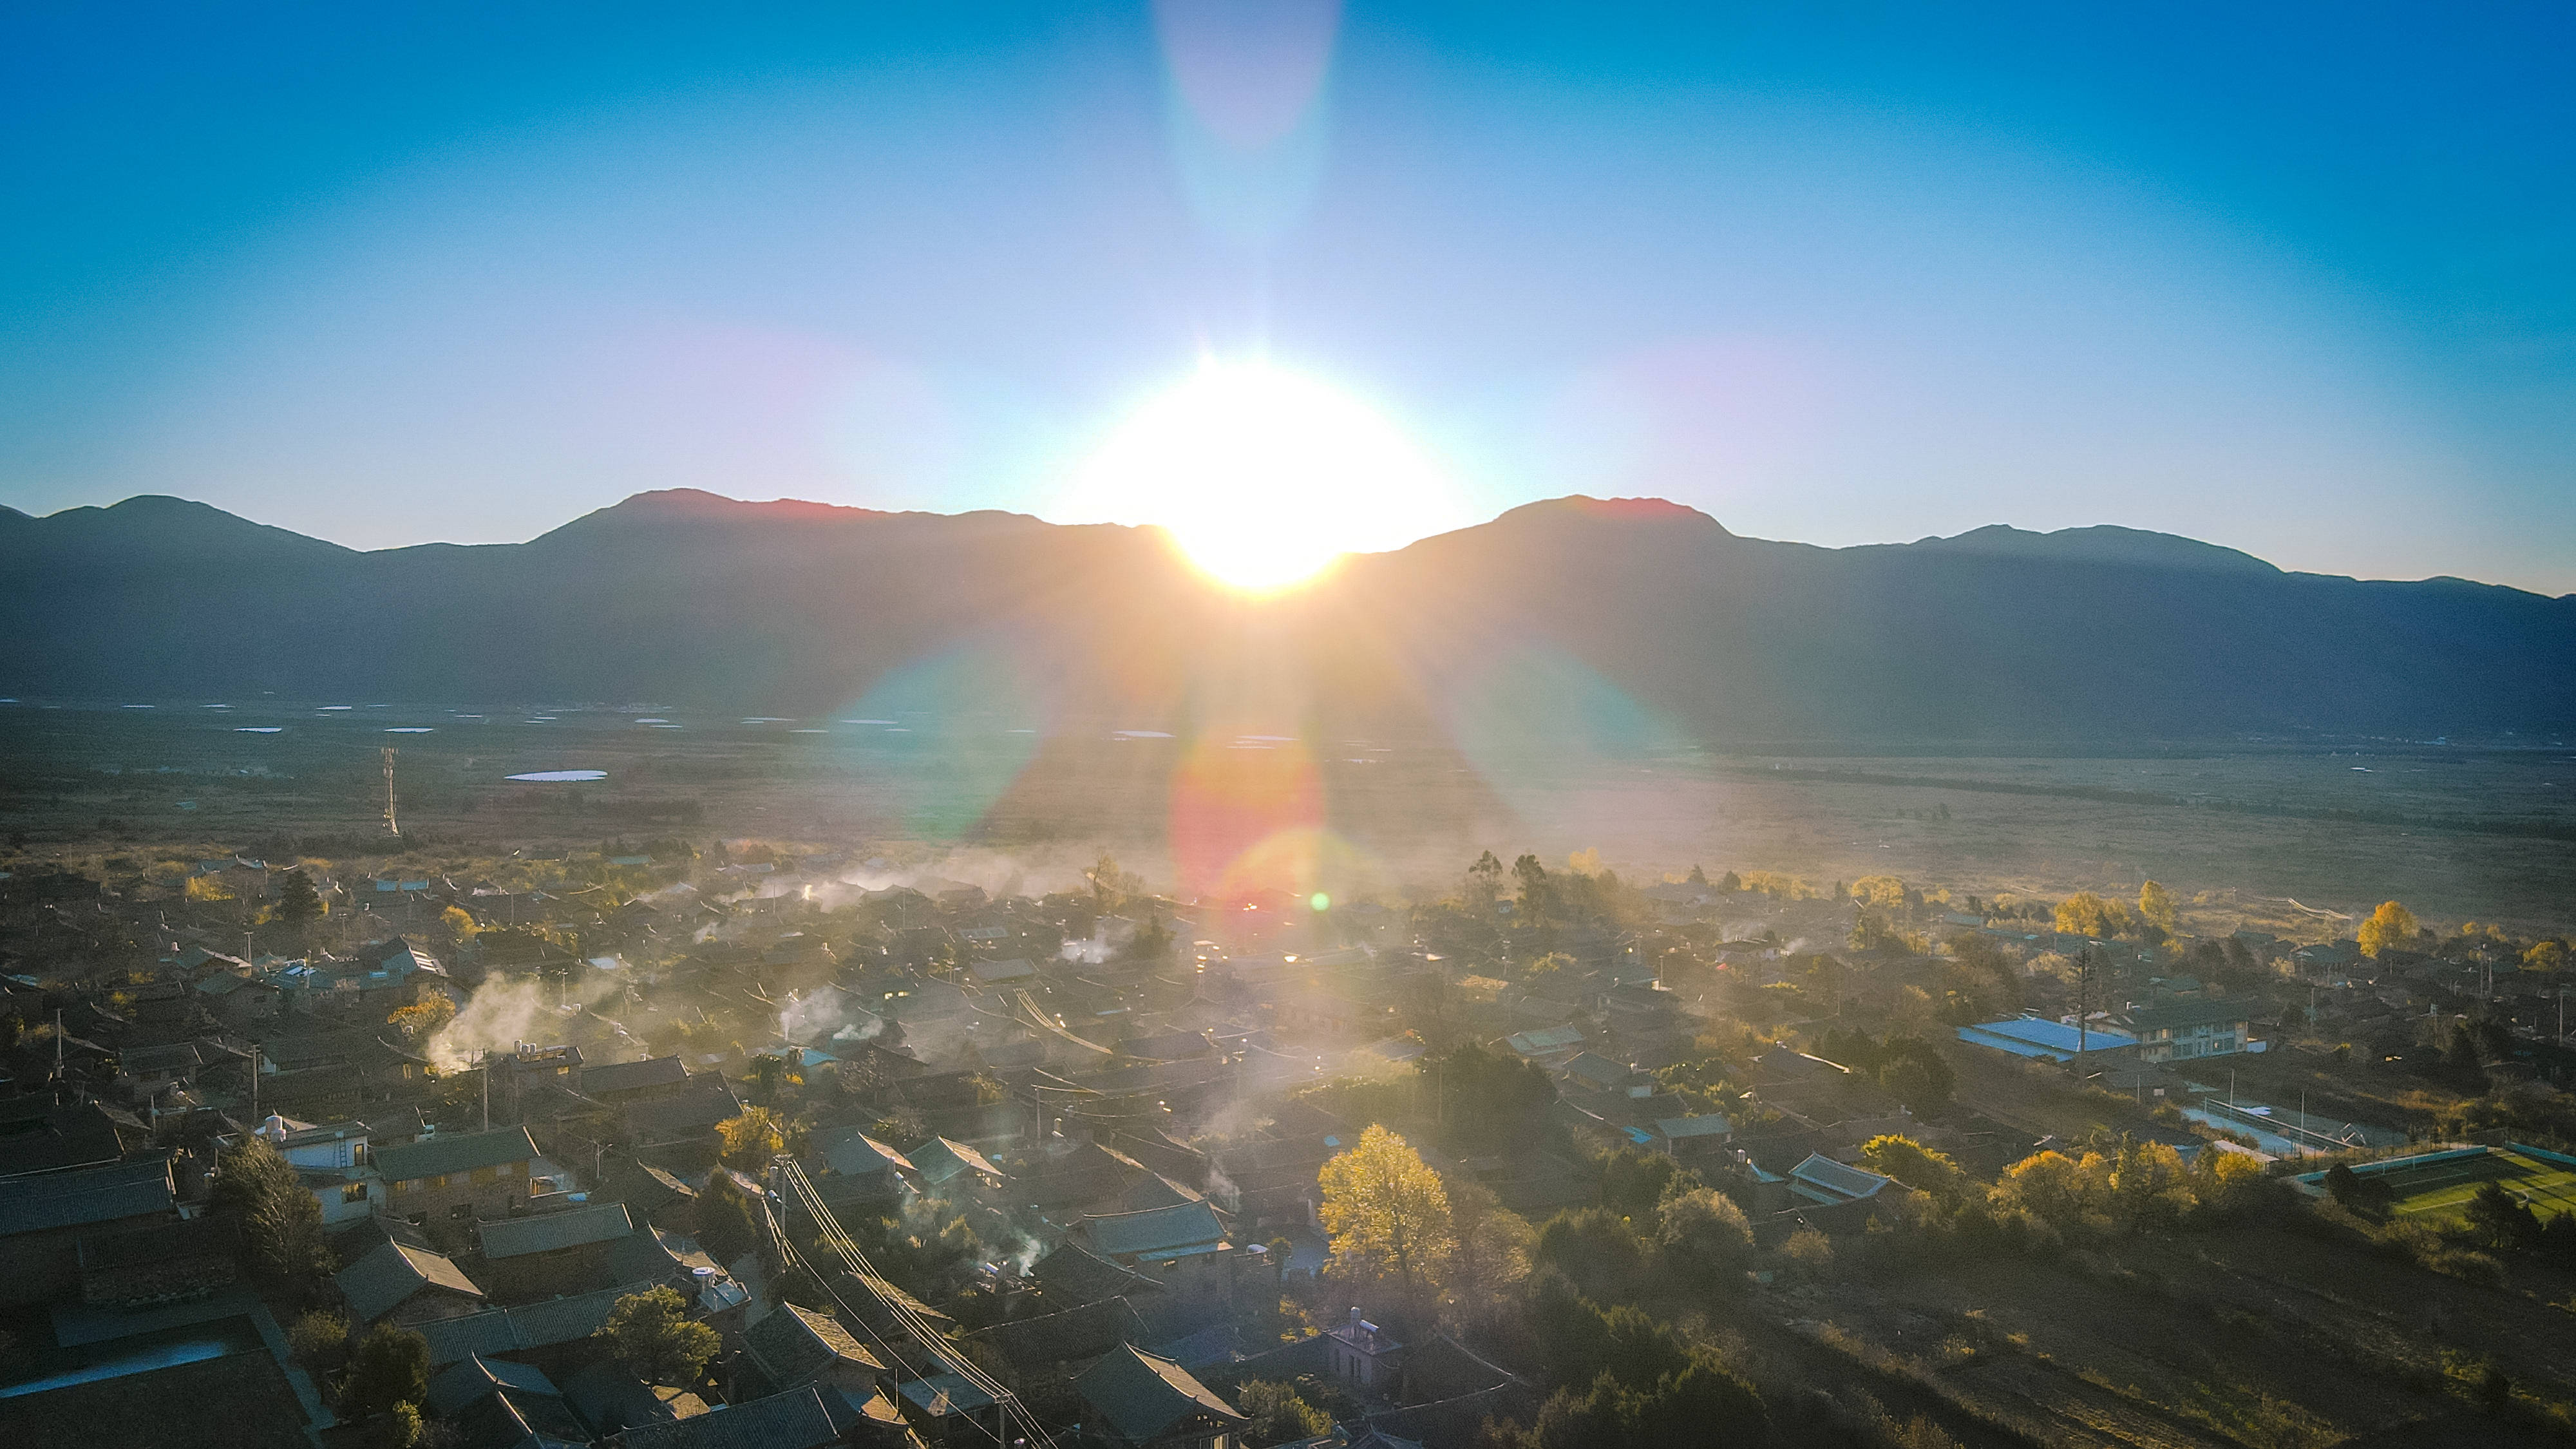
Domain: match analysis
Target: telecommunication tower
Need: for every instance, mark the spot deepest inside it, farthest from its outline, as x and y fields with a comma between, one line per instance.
x=390, y=824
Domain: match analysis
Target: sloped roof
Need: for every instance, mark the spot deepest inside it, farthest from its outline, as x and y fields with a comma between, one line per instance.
x=643, y=1187
x=445, y=1155
x=1835, y=1181
x=1092, y=1329
x=1075, y=1275
x=1546, y=1040
x=690, y=1112
x=1155, y=1230
x=794, y=1344
x=1711, y=1125
x=632, y=1076
x=1143, y=1394
x=2180, y=1015
x=93, y=1195
x=547, y=1232
x=943, y=1159
x=532, y=1325
x=475, y=1376
x=1593, y=1067
x=385, y=1276
x=854, y=1153
x=792, y=1420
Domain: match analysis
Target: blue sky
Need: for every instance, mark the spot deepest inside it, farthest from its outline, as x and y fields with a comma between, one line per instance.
x=2297, y=279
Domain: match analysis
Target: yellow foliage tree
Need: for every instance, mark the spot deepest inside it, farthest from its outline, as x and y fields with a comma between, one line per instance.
x=2156, y=907
x=1386, y=1211
x=1878, y=890
x=458, y=923
x=2545, y=956
x=2390, y=925
x=753, y=1137
x=2086, y=914
x=424, y=1020
x=205, y=888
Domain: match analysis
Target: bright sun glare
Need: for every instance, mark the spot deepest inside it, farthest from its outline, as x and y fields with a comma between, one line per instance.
x=1264, y=476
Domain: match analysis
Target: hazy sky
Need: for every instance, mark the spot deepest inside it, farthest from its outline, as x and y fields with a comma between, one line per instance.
x=2297, y=279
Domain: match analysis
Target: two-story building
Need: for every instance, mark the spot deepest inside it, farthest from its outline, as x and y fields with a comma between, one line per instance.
x=464, y=1174
x=2182, y=1031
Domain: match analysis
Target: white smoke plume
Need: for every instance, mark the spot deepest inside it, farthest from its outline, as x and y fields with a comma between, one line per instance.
x=506, y=1010
x=809, y=1017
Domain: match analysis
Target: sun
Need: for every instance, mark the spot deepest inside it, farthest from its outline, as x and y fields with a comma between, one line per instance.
x=1263, y=476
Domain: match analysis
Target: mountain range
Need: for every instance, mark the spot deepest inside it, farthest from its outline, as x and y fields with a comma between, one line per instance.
x=1622, y=620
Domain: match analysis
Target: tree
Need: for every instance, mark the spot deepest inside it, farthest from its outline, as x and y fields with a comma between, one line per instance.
x=2086, y=914
x=2156, y=908
x=2545, y=956
x=1494, y=1243
x=319, y=1337
x=651, y=1334
x=392, y=1367
x=423, y=1019
x=752, y=1137
x=1278, y=1413
x=1698, y=877
x=2499, y=1220
x=257, y=1189
x=1916, y=1075
x=298, y=903
x=1597, y=1249
x=1878, y=890
x=2052, y=1187
x=459, y=924
x=1485, y=878
x=1918, y=1167
x=2390, y=925
x=401, y=1429
x=1703, y=1238
x=1385, y=1210
x=767, y=1074
x=723, y=1220
x=1730, y=882
x=2150, y=1190
x=1487, y=1100
x=1810, y=1252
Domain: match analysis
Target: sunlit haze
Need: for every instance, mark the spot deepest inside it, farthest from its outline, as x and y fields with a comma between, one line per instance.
x=1263, y=476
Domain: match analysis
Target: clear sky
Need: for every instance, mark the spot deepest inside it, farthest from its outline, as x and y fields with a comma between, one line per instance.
x=2299, y=279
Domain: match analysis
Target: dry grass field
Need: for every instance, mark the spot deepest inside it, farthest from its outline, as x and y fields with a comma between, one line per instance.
x=2287, y=839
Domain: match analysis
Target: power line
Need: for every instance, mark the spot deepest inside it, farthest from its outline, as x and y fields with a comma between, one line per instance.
x=790, y=1174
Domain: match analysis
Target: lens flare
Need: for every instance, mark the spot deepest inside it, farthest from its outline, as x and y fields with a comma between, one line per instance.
x=1264, y=476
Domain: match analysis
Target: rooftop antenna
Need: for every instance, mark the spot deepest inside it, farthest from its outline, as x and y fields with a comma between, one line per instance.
x=390, y=825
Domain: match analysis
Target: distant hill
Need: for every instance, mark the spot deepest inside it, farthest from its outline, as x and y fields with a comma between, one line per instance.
x=1620, y=620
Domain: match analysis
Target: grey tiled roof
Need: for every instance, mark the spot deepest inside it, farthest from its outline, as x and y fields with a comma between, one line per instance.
x=546, y=1232
x=794, y=1344
x=532, y=1325
x=793, y=1420
x=463, y=1152
x=93, y=1195
x=476, y=1376
x=1121, y=1235
x=378, y=1282
x=1143, y=1394
x=1074, y=1275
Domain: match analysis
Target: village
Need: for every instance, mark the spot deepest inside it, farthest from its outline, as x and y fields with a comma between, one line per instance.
x=671, y=1143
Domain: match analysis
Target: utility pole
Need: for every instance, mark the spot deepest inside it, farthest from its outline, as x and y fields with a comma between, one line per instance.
x=254, y=1083
x=391, y=825
x=2083, y=1001
x=487, y=1089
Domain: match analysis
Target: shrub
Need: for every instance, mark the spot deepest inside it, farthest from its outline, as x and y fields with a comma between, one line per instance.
x=1809, y=1252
